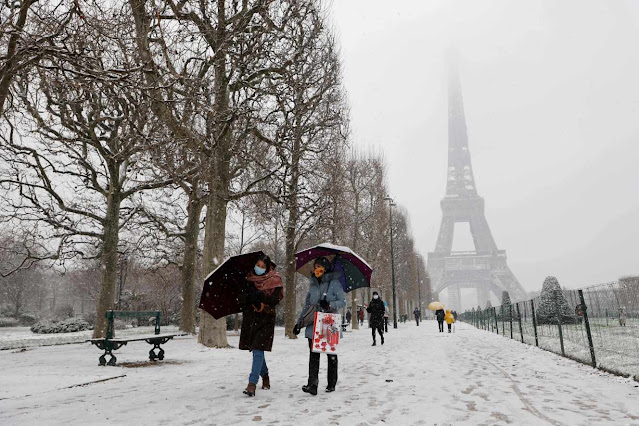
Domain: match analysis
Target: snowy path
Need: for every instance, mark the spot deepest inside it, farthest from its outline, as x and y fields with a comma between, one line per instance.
x=470, y=377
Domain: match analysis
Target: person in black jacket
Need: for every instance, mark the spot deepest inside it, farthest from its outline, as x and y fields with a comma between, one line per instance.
x=440, y=314
x=376, y=311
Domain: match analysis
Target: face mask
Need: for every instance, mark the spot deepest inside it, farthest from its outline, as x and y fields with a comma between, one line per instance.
x=258, y=270
x=375, y=297
x=318, y=272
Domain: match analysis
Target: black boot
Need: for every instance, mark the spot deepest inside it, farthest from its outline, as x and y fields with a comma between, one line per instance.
x=374, y=343
x=311, y=387
x=382, y=336
x=332, y=373
x=313, y=371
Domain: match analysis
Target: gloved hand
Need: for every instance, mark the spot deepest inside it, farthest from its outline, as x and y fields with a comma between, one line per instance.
x=324, y=305
x=296, y=329
x=254, y=299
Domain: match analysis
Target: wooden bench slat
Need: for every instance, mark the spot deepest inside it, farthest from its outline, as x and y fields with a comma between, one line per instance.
x=137, y=337
x=123, y=314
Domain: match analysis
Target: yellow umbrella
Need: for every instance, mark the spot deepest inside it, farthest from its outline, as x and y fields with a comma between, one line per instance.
x=435, y=306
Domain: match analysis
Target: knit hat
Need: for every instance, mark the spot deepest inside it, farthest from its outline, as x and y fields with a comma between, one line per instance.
x=323, y=262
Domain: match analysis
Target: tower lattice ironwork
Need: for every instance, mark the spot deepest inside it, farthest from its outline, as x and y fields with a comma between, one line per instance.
x=484, y=269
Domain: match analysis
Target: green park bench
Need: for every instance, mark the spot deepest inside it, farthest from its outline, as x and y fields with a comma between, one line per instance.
x=109, y=344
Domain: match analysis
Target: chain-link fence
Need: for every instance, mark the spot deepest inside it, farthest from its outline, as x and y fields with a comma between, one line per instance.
x=597, y=325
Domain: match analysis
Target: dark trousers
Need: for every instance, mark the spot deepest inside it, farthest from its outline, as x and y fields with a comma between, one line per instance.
x=313, y=367
x=380, y=331
x=417, y=320
x=386, y=324
x=449, y=326
x=441, y=326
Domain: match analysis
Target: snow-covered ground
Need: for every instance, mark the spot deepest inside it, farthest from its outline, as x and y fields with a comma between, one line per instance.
x=418, y=377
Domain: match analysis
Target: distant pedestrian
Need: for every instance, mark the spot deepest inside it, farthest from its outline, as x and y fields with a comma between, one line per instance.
x=417, y=314
x=450, y=319
x=376, y=320
x=440, y=314
x=361, y=316
x=386, y=316
x=348, y=317
x=622, y=317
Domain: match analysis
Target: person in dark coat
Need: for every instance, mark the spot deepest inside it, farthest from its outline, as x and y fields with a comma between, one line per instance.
x=325, y=291
x=258, y=319
x=440, y=314
x=417, y=315
x=376, y=311
x=348, y=317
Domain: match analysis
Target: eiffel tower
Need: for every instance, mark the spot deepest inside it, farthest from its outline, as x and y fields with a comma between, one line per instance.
x=484, y=269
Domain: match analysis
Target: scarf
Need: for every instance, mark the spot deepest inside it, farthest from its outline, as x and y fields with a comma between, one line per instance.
x=266, y=282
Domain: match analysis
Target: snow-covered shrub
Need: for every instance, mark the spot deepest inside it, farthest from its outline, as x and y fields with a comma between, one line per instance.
x=28, y=319
x=64, y=311
x=9, y=322
x=69, y=325
x=553, y=305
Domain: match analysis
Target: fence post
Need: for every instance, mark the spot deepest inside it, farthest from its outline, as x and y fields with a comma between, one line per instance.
x=521, y=330
x=503, y=324
x=584, y=309
x=511, y=320
x=495, y=316
x=561, y=333
x=532, y=305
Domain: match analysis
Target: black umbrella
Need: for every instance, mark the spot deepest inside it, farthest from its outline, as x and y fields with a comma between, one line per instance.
x=224, y=287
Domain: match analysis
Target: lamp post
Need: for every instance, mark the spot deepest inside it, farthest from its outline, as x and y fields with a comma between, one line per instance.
x=419, y=291
x=391, y=203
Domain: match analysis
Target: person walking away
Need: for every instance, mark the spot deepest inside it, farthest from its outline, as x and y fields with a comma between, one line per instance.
x=416, y=314
x=386, y=316
x=440, y=314
x=326, y=292
x=361, y=316
x=348, y=317
x=376, y=320
x=258, y=319
x=450, y=319
x=622, y=317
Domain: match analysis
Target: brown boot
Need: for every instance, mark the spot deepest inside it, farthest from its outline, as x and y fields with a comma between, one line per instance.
x=250, y=389
x=266, y=382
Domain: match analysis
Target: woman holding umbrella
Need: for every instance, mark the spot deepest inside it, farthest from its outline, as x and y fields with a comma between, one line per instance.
x=258, y=320
x=326, y=292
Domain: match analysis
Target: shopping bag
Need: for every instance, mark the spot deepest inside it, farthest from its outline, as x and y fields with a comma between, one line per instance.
x=326, y=332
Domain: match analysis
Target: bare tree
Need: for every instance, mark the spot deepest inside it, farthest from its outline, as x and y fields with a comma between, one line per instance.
x=87, y=158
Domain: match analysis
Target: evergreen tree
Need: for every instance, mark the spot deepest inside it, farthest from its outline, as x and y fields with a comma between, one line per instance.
x=505, y=298
x=553, y=305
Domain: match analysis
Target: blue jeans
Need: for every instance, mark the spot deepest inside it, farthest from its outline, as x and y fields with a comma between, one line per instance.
x=259, y=367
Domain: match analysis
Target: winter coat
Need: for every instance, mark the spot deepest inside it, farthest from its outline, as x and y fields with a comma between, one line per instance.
x=258, y=327
x=376, y=309
x=348, y=316
x=334, y=295
x=440, y=314
x=449, y=318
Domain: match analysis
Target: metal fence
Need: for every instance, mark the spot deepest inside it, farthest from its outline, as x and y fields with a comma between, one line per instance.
x=602, y=328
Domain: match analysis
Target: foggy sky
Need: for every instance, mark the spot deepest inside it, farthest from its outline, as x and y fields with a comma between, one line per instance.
x=551, y=96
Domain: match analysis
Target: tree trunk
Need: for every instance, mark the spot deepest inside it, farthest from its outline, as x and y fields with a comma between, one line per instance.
x=189, y=265
x=212, y=331
x=290, y=299
x=108, y=262
x=290, y=290
x=354, y=323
